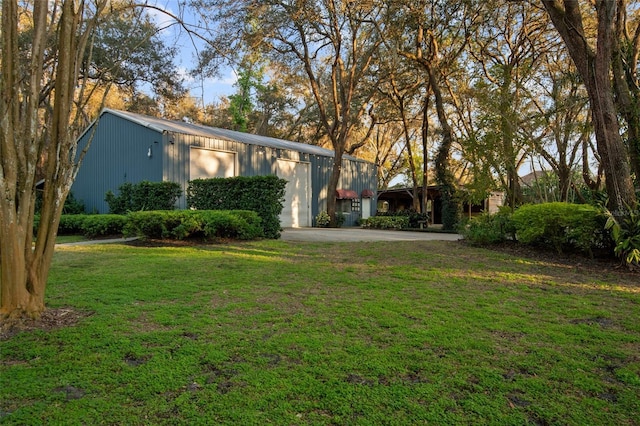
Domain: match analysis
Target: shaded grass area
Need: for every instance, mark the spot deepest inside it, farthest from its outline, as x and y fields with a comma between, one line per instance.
x=331, y=333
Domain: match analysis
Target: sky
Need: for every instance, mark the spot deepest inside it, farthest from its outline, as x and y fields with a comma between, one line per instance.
x=206, y=91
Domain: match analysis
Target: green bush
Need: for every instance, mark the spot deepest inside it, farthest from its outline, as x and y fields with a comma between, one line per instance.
x=489, y=228
x=143, y=196
x=71, y=224
x=386, y=222
x=71, y=204
x=261, y=194
x=563, y=226
x=148, y=224
x=414, y=217
x=100, y=225
x=182, y=224
x=89, y=225
x=323, y=219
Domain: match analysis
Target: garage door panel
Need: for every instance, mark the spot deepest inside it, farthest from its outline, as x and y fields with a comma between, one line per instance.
x=297, y=204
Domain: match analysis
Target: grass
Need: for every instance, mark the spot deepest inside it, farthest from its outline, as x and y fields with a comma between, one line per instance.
x=65, y=239
x=315, y=334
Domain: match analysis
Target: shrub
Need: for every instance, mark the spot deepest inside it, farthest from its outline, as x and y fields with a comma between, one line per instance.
x=71, y=204
x=148, y=224
x=182, y=224
x=489, y=228
x=143, y=196
x=386, y=222
x=99, y=225
x=625, y=231
x=561, y=225
x=323, y=219
x=414, y=217
x=89, y=225
x=261, y=194
x=71, y=224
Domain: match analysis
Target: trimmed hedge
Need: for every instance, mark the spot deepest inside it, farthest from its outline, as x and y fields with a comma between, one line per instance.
x=100, y=225
x=261, y=194
x=71, y=224
x=413, y=216
x=91, y=225
x=182, y=224
x=386, y=222
x=144, y=195
x=562, y=226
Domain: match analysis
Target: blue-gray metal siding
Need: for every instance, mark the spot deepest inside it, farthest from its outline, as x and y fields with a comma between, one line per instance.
x=118, y=154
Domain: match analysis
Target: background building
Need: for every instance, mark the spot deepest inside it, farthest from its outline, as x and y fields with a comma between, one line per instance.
x=128, y=147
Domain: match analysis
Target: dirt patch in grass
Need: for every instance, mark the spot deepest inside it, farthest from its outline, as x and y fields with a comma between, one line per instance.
x=51, y=319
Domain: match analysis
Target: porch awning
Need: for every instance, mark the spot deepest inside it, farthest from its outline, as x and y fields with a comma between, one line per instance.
x=346, y=194
x=367, y=193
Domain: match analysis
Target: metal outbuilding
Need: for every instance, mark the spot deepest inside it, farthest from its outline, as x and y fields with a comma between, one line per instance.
x=128, y=147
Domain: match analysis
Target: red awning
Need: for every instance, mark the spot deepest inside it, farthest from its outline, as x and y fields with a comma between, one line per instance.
x=367, y=193
x=345, y=194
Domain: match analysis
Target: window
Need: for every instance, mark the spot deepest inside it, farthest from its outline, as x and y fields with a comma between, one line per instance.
x=355, y=205
x=344, y=206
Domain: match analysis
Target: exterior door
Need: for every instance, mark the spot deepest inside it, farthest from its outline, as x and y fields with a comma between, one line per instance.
x=366, y=207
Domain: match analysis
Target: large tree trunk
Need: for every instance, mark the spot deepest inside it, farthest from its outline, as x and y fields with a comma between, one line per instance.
x=627, y=89
x=333, y=185
x=595, y=69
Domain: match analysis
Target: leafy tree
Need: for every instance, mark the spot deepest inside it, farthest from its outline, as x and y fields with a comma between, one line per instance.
x=57, y=59
x=334, y=44
x=37, y=94
x=507, y=48
x=565, y=115
x=593, y=58
x=439, y=35
x=241, y=105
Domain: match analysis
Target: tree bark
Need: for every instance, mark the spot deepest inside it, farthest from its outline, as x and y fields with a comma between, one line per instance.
x=450, y=210
x=626, y=83
x=595, y=68
x=35, y=126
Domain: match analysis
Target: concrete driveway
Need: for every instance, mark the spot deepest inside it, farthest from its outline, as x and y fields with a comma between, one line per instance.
x=359, y=234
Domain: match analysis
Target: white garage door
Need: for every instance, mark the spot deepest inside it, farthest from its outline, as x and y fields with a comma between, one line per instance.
x=297, y=199
x=206, y=163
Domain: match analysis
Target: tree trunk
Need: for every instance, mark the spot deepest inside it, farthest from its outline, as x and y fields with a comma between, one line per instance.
x=35, y=127
x=450, y=211
x=20, y=297
x=333, y=186
x=507, y=133
x=595, y=69
x=564, y=182
x=425, y=156
x=625, y=58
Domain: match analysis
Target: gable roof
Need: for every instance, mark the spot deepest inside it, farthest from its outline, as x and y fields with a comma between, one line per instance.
x=164, y=125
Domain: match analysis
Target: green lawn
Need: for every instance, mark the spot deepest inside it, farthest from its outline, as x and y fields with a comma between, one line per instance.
x=282, y=333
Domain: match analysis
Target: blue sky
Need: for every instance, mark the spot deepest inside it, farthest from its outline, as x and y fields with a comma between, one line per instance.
x=207, y=90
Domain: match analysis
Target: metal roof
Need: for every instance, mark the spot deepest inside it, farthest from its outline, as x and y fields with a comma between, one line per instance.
x=163, y=125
